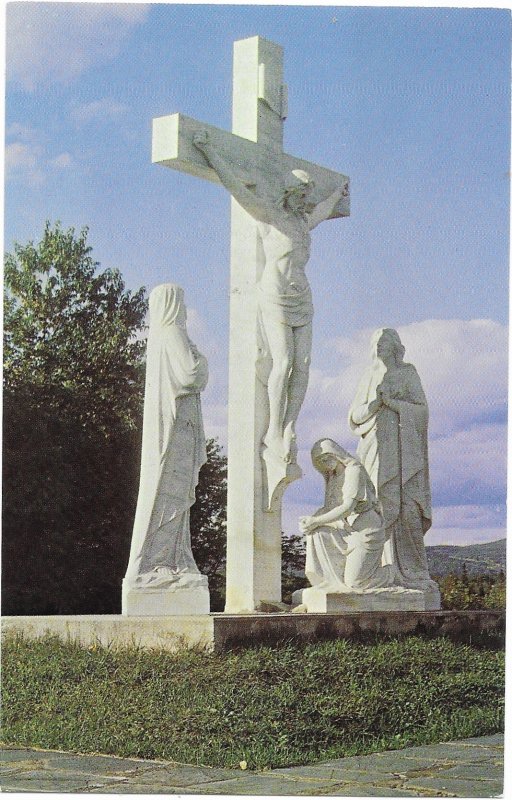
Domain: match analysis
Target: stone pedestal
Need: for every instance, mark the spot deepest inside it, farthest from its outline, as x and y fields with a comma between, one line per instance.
x=392, y=599
x=184, y=597
x=221, y=632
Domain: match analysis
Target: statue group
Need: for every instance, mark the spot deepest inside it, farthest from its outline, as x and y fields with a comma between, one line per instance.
x=368, y=535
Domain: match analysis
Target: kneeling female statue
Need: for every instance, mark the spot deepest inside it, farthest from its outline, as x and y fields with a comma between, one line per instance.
x=346, y=536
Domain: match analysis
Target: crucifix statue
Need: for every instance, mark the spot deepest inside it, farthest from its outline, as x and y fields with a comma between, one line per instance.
x=277, y=200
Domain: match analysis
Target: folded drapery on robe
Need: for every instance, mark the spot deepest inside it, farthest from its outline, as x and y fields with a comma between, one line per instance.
x=173, y=441
x=394, y=450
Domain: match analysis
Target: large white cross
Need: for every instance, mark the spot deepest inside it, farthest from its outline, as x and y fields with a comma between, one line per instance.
x=253, y=569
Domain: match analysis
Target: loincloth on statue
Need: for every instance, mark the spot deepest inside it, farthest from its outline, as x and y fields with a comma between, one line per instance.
x=294, y=309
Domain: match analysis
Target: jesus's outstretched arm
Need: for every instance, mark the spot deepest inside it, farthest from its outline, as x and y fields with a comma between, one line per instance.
x=324, y=209
x=257, y=206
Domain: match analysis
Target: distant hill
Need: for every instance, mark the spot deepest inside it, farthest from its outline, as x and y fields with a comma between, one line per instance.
x=480, y=559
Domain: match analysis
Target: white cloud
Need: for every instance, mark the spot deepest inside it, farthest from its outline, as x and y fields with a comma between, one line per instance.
x=57, y=42
x=471, y=524
x=23, y=160
x=21, y=155
x=461, y=536
x=27, y=159
x=469, y=465
x=215, y=417
x=22, y=132
x=62, y=161
x=462, y=365
x=104, y=110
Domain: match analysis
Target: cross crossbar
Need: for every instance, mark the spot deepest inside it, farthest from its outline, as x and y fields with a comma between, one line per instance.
x=173, y=147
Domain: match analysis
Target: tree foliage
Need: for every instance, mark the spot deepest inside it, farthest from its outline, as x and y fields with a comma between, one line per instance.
x=71, y=332
x=479, y=592
x=293, y=560
x=73, y=391
x=208, y=522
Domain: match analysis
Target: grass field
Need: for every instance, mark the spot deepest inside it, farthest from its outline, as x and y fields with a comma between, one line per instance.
x=270, y=707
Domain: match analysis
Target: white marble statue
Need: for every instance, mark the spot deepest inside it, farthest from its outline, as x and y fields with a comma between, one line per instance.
x=285, y=218
x=390, y=414
x=345, y=537
x=173, y=450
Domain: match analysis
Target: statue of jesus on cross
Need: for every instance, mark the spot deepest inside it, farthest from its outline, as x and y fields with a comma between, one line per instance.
x=277, y=199
x=285, y=216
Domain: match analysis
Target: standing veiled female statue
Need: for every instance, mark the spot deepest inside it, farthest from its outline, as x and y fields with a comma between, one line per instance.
x=173, y=451
x=390, y=414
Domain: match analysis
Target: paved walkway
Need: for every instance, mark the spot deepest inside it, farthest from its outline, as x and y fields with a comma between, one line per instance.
x=470, y=768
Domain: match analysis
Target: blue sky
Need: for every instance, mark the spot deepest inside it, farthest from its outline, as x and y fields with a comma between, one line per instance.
x=411, y=103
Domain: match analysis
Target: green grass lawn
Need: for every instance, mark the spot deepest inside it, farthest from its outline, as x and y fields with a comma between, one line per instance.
x=271, y=707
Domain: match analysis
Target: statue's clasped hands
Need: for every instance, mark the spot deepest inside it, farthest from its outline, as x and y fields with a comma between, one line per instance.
x=308, y=524
x=387, y=400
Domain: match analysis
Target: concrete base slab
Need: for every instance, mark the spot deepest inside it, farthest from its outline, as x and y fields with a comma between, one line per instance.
x=168, y=633
x=394, y=599
x=220, y=632
x=166, y=601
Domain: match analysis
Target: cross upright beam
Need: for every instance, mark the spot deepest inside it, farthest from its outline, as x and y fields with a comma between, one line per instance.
x=255, y=145
x=253, y=563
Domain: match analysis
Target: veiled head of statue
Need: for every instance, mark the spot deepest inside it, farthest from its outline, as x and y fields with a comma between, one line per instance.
x=326, y=455
x=385, y=342
x=167, y=306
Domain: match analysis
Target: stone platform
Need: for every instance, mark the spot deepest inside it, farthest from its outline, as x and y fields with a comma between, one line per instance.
x=219, y=632
x=318, y=600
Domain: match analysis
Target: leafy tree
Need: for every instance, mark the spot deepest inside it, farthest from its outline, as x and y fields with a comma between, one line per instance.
x=208, y=523
x=479, y=592
x=496, y=596
x=73, y=390
x=293, y=559
x=71, y=332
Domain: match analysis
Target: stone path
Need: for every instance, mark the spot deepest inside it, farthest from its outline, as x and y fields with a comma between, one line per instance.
x=470, y=768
